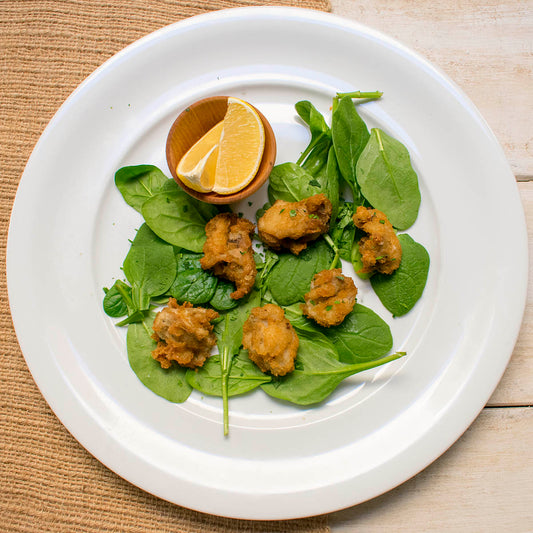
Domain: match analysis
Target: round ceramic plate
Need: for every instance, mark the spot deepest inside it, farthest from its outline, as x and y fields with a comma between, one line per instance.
x=69, y=235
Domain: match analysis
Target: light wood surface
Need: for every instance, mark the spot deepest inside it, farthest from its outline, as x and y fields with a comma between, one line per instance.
x=484, y=482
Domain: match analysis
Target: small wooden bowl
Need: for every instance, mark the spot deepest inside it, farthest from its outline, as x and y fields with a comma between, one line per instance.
x=189, y=127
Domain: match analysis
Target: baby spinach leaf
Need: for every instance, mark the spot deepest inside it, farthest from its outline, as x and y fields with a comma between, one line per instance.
x=244, y=376
x=138, y=183
x=229, y=340
x=400, y=290
x=320, y=131
x=117, y=300
x=150, y=267
x=290, y=278
x=291, y=183
x=387, y=179
x=221, y=300
x=264, y=268
x=362, y=336
x=177, y=218
x=343, y=230
x=313, y=118
x=317, y=374
x=169, y=383
x=350, y=136
x=192, y=283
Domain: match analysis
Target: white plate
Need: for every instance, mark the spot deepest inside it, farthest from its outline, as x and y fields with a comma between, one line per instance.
x=70, y=229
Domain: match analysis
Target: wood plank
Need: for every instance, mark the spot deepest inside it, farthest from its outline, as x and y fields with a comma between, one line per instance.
x=485, y=46
x=482, y=483
x=516, y=385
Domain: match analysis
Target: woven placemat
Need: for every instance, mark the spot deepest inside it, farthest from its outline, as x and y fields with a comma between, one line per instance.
x=48, y=482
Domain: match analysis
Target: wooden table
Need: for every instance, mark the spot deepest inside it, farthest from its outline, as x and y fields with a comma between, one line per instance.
x=485, y=481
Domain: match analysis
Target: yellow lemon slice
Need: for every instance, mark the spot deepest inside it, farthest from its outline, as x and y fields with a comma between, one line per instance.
x=197, y=167
x=240, y=147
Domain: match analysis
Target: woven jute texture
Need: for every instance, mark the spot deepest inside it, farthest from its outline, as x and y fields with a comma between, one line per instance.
x=48, y=482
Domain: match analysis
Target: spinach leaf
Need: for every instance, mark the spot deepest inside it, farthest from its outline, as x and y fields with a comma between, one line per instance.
x=169, y=383
x=387, y=179
x=229, y=340
x=400, y=290
x=264, y=268
x=362, y=336
x=221, y=300
x=192, y=283
x=150, y=267
x=290, y=278
x=117, y=300
x=343, y=230
x=177, y=218
x=244, y=376
x=291, y=183
x=350, y=136
x=320, y=131
x=138, y=183
x=317, y=373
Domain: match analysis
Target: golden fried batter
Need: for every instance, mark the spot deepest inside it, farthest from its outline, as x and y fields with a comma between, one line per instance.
x=380, y=249
x=184, y=334
x=331, y=298
x=270, y=339
x=228, y=251
x=293, y=224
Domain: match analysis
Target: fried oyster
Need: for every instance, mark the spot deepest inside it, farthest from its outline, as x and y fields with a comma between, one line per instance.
x=228, y=251
x=184, y=334
x=331, y=298
x=292, y=225
x=270, y=339
x=380, y=249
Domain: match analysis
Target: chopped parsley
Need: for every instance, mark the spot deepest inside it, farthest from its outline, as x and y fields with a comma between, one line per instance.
x=292, y=213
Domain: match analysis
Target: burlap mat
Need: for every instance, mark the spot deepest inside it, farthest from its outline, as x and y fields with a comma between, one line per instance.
x=48, y=482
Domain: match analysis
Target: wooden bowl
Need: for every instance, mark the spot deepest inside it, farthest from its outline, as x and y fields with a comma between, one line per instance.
x=191, y=125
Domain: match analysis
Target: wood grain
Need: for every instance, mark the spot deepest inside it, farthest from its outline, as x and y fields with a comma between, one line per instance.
x=516, y=386
x=481, y=484
x=485, y=46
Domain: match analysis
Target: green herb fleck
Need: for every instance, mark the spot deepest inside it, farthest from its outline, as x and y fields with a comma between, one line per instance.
x=329, y=307
x=282, y=211
x=382, y=222
x=312, y=215
x=340, y=278
x=292, y=213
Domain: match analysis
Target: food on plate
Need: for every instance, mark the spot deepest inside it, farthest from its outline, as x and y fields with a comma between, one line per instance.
x=228, y=251
x=184, y=334
x=292, y=225
x=331, y=298
x=266, y=321
x=198, y=166
x=270, y=339
x=380, y=249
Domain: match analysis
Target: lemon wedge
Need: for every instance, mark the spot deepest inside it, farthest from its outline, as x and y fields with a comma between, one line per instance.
x=240, y=148
x=197, y=167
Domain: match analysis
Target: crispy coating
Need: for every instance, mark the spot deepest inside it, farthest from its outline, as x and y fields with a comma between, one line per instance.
x=331, y=298
x=228, y=251
x=293, y=224
x=270, y=339
x=380, y=249
x=184, y=334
